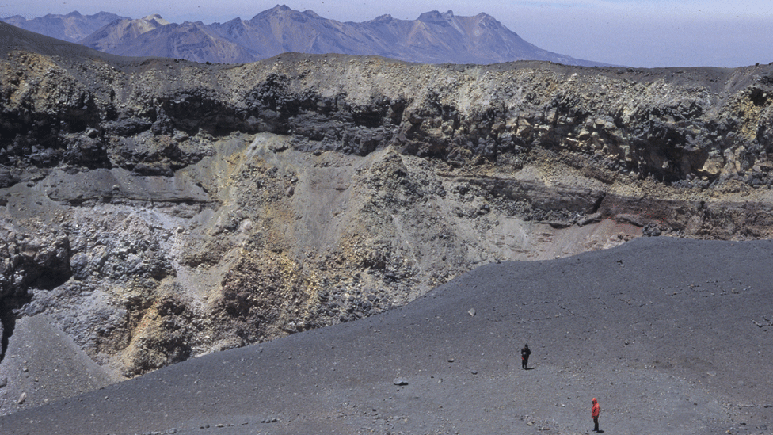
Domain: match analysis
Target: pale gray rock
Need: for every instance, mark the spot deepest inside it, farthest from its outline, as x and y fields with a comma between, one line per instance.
x=400, y=382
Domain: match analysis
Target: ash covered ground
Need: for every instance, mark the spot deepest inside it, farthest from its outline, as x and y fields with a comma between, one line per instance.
x=672, y=336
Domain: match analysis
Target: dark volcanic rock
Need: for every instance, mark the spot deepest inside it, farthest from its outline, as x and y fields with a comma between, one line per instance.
x=42, y=261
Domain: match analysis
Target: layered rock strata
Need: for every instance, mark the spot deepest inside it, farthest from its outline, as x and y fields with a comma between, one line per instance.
x=155, y=210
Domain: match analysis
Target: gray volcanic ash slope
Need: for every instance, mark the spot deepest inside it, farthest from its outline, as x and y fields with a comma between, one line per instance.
x=672, y=336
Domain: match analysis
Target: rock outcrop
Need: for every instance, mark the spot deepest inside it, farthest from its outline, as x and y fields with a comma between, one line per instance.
x=155, y=210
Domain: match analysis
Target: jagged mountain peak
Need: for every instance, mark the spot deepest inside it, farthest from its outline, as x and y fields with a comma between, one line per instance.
x=277, y=10
x=157, y=18
x=71, y=27
x=435, y=37
x=113, y=37
x=283, y=11
x=434, y=16
x=231, y=22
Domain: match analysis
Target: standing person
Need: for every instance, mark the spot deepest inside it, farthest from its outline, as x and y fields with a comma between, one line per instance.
x=525, y=352
x=595, y=411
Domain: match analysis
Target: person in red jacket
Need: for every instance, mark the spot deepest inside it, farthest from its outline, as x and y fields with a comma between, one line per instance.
x=595, y=411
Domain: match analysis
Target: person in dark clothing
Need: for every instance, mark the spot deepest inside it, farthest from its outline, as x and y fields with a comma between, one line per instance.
x=525, y=352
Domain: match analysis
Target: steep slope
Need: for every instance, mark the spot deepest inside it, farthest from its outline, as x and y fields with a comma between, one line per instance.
x=443, y=37
x=671, y=335
x=156, y=210
x=190, y=41
x=113, y=36
x=281, y=29
x=14, y=39
x=71, y=27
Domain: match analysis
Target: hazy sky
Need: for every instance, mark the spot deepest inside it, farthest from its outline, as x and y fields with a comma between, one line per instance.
x=624, y=32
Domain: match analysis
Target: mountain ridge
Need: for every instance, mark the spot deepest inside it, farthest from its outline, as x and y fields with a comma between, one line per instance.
x=434, y=37
x=71, y=27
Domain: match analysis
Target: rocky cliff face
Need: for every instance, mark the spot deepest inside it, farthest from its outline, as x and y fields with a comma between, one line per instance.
x=156, y=210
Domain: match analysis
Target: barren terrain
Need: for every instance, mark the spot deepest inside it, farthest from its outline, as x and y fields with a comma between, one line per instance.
x=672, y=336
x=159, y=211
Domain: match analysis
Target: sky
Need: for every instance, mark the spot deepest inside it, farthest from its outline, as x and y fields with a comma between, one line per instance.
x=639, y=33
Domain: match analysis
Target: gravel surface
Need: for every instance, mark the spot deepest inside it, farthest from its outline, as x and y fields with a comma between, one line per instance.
x=672, y=336
x=43, y=364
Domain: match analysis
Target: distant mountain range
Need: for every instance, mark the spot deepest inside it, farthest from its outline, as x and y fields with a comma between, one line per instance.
x=71, y=27
x=433, y=38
